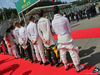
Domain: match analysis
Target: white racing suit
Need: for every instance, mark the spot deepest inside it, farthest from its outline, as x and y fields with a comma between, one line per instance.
x=8, y=48
x=25, y=48
x=16, y=35
x=11, y=44
x=44, y=31
x=39, y=50
x=64, y=46
x=62, y=28
x=45, y=34
x=33, y=36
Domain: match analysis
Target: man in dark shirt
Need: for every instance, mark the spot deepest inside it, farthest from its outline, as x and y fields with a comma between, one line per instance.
x=72, y=16
x=68, y=16
x=76, y=15
x=88, y=12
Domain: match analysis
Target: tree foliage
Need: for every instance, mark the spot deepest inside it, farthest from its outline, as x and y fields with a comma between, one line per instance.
x=8, y=13
x=4, y=18
x=13, y=16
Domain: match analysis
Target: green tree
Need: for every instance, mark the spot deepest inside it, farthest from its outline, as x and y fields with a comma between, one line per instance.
x=0, y=14
x=9, y=12
x=13, y=16
x=4, y=18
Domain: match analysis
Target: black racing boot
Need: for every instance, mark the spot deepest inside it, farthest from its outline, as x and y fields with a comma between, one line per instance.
x=51, y=64
x=67, y=67
x=46, y=63
x=32, y=61
x=16, y=58
x=41, y=62
x=57, y=65
x=36, y=61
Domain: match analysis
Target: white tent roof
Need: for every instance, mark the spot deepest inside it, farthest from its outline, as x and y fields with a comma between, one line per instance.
x=46, y=9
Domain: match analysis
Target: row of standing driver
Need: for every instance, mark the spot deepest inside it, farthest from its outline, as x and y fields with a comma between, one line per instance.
x=33, y=32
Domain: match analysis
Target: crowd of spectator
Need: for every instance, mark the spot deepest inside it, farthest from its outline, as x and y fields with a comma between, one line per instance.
x=87, y=12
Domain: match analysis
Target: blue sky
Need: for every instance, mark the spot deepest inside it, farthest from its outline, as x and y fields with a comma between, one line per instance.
x=10, y=4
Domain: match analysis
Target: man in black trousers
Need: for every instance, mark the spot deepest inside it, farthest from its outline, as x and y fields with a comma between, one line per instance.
x=88, y=12
x=24, y=43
